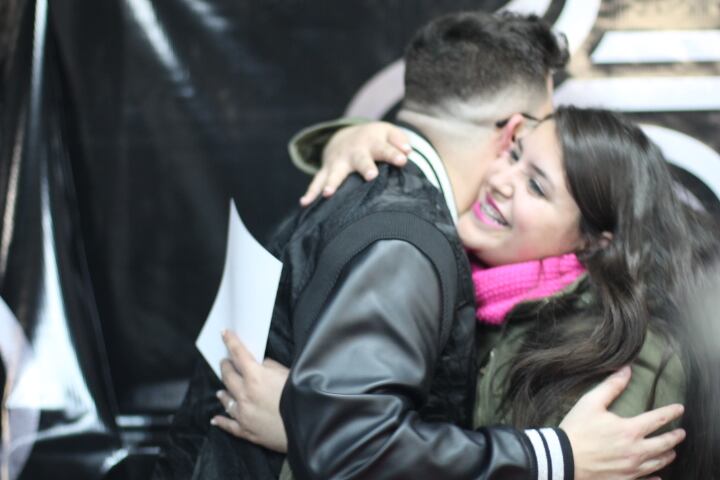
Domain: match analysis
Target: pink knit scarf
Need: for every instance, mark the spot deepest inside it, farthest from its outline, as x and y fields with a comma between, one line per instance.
x=499, y=289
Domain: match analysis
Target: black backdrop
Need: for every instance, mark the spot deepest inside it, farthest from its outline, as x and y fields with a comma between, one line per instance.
x=173, y=107
x=130, y=123
x=173, y=115
x=126, y=127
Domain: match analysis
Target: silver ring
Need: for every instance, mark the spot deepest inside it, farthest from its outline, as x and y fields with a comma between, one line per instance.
x=231, y=405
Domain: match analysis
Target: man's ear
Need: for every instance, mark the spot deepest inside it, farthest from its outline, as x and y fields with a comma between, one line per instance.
x=509, y=131
x=605, y=239
x=599, y=242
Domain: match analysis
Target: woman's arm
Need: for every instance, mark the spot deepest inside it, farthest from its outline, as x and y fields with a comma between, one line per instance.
x=607, y=446
x=255, y=389
x=658, y=379
x=333, y=150
x=252, y=397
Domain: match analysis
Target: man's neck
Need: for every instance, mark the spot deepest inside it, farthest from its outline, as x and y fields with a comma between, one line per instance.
x=461, y=157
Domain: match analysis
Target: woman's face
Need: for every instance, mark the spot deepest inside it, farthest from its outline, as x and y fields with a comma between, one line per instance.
x=524, y=210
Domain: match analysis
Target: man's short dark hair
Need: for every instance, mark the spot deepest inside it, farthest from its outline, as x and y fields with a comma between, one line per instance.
x=476, y=54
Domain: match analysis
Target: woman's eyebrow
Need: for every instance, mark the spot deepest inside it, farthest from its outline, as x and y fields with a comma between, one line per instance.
x=540, y=172
x=534, y=167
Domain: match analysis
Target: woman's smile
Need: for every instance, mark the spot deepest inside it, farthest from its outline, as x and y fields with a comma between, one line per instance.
x=488, y=213
x=524, y=210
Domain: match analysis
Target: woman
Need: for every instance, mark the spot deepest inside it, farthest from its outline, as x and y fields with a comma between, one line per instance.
x=581, y=251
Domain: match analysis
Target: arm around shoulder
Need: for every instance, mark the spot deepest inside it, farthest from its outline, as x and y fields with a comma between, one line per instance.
x=658, y=379
x=351, y=403
x=306, y=146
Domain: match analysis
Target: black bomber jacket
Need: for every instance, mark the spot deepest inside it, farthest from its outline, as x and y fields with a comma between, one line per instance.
x=383, y=323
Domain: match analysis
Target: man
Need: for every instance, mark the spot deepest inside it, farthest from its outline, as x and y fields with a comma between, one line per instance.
x=375, y=309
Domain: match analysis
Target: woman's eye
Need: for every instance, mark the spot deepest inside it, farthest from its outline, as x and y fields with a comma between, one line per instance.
x=514, y=155
x=535, y=187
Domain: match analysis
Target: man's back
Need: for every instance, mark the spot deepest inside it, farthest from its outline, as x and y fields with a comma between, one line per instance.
x=332, y=236
x=401, y=205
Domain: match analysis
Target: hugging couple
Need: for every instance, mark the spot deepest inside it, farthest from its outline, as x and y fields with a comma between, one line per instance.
x=473, y=311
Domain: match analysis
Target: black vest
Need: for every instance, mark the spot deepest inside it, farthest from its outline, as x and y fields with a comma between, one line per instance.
x=399, y=204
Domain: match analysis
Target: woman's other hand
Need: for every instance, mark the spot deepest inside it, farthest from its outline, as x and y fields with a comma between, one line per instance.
x=608, y=447
x=356, y=149
x=252, y=397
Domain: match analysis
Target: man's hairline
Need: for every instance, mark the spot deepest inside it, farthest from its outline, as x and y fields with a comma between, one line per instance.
x=531, y=96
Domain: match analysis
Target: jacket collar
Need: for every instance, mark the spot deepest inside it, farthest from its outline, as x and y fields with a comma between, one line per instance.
x=578, y=293
x=428, y=161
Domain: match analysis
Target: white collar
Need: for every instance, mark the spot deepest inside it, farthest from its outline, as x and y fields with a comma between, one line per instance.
x=428, y=161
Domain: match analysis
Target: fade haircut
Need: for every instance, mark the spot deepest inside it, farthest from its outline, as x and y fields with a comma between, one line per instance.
x=476, y=55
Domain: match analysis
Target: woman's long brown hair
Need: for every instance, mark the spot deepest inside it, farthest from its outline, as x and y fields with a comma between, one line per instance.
x=622, y=185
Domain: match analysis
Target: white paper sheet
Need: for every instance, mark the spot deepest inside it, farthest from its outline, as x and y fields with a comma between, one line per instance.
x=245, y=299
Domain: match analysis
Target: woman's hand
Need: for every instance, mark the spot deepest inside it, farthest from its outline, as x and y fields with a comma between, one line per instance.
x=252, y=398
x=356, y=149
x=606, y=446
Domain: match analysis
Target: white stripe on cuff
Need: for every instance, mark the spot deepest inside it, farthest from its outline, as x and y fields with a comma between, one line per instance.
x=556, y=454
x=539, y=448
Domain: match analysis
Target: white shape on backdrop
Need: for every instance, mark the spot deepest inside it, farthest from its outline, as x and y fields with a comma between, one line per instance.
x=379, y=94
x=246, y=297
x=659, y=46
x=47, y=376
x=689, y=154
x=527, y=7
x=576, y=21
x=19, y=426
x=144, y=14
x=642, y=94
x=51, y=378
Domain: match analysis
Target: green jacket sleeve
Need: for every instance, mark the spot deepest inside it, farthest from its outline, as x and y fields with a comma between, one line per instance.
x=634, y=400
x=306, y=146
x=670, y=386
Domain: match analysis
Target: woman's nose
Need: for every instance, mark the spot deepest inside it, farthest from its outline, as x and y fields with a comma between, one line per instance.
x=501, y=183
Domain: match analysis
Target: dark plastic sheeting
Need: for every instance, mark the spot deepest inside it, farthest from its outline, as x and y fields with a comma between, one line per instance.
x=126, y=126
x=177, y=107
x=62, y=410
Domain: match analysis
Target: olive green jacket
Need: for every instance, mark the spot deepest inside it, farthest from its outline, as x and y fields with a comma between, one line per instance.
x=305, y=148
x=498, y=345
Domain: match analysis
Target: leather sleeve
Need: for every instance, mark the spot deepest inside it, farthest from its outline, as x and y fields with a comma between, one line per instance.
x=350, y=404
x=306, y=146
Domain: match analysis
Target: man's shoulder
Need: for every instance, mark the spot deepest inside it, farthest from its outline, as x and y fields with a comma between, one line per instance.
x=398, y=201
x=404, y=191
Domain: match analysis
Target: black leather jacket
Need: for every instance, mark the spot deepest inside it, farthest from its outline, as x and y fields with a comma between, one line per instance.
x=375, y=312
x=351, y=404
x=379, y=341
